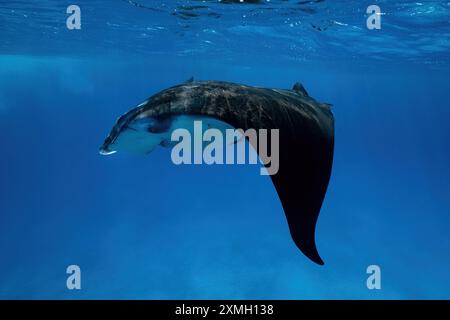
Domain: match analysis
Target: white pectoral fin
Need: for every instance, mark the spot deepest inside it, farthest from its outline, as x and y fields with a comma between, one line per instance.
x=218, y=124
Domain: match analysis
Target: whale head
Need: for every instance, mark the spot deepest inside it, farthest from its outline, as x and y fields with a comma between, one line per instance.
x=136, y=133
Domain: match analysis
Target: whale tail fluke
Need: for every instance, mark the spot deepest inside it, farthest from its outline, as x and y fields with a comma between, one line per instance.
x=306, y=156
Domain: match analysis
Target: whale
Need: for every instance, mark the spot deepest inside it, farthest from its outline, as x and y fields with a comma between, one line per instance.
x=306, y=138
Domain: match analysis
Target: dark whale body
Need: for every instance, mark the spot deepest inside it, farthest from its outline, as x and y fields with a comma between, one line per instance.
x=306, y=139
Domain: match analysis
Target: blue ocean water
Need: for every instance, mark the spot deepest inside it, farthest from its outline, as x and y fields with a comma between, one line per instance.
x=141, y=227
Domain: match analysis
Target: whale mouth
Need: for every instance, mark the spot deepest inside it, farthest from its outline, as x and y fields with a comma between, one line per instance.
x=106, y=152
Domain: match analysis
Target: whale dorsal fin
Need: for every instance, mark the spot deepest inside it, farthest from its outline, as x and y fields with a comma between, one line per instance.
x=300, y=89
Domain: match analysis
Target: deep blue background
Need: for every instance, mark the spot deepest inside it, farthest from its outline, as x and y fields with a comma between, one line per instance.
x=141, y=227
